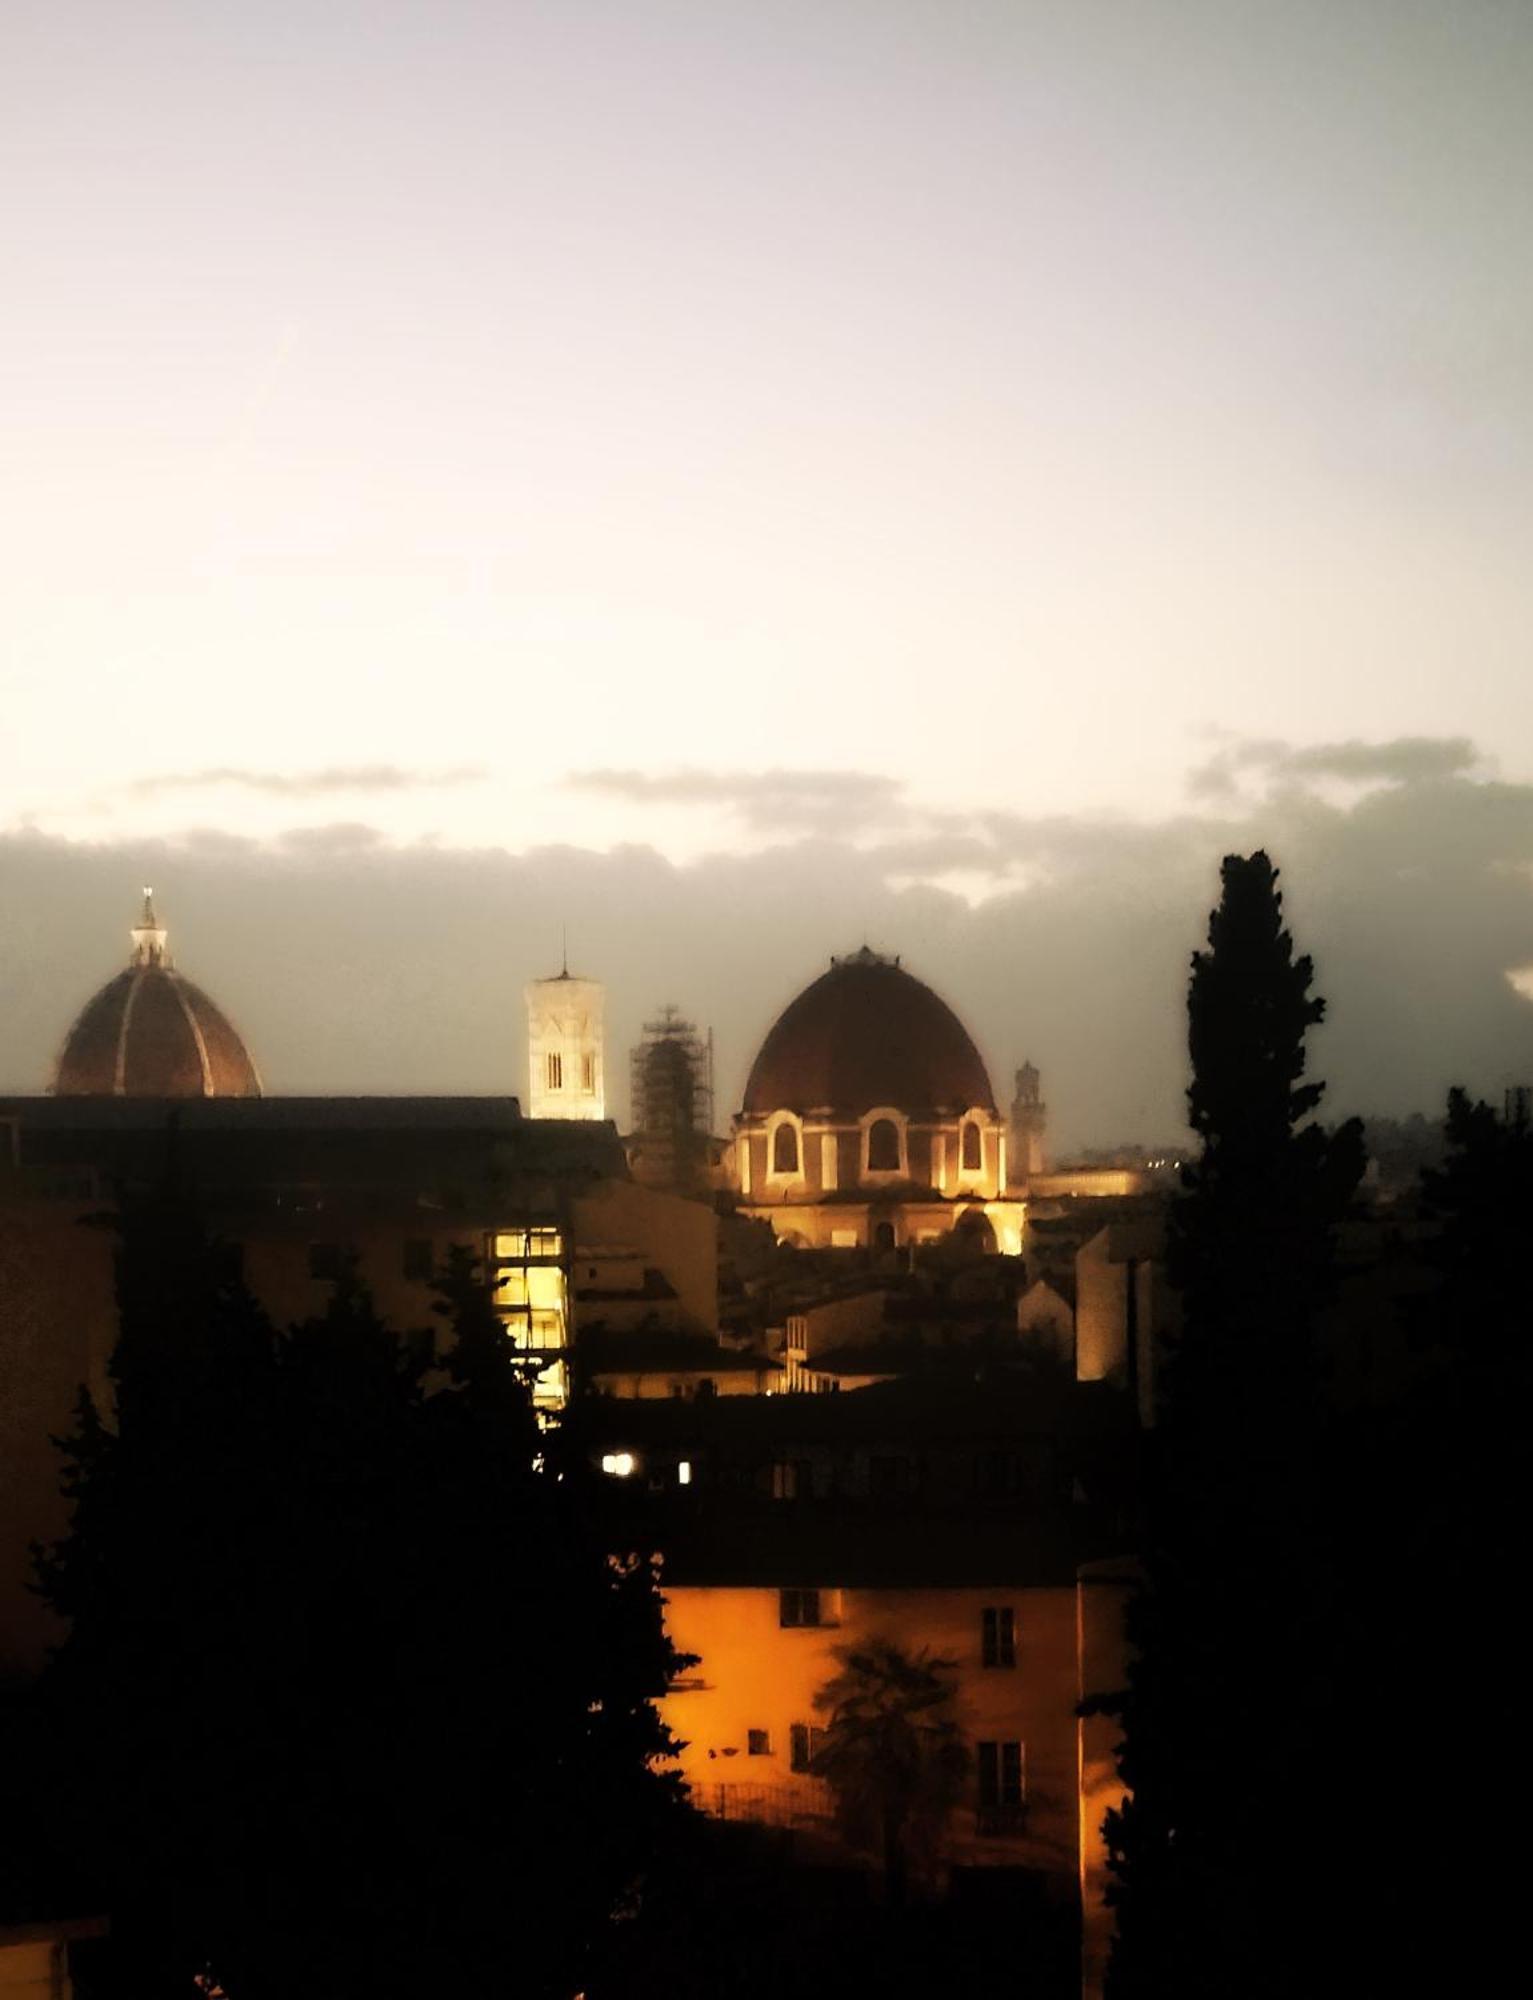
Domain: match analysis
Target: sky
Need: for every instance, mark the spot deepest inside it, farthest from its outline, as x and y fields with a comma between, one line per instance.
x=941, y=470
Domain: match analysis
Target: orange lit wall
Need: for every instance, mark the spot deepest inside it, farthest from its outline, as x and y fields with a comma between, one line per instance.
x=756, y=1675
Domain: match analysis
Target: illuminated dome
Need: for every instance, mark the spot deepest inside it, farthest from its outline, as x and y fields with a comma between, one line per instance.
x=867, y=1034
x=151, y=1033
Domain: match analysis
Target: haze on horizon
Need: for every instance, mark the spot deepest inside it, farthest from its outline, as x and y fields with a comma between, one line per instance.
x=736, y=479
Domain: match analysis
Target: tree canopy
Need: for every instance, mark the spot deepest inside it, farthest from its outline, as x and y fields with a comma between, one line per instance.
x=353, y=1699
x=892, y=1754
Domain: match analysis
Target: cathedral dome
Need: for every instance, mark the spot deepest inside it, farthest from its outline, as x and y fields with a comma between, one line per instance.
x=864, y=1035
x=151, y=1033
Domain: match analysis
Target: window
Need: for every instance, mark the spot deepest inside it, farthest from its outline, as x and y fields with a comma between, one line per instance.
x=792, y=1479
x=883, y=1147
x=758, y=1742
x=805, y=1742
x=798, y=1607
x=515, y=1246
x=1001, y=1781
x=684, y=1472
x=324, y=1260
x=415, y=1258
x=785, y=1150
x=588, y=1075
x=973, y=1149
x=555, y=1070
x=998, y=1646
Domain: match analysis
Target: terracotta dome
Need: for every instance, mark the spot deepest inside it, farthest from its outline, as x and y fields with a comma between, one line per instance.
x=867, y=1034
x=151, y=1033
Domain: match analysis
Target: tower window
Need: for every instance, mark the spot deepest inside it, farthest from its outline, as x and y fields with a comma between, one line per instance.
x=785, y=1150
x=883, y=1147
x=588, y=1075
x=555, y=1064
x=973, y=1149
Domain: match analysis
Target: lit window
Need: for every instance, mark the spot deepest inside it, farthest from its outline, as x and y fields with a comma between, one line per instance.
x=619, y=1464
x=785, y=1150
x=758, y=1742
x=805, y=1742
x=684, y=1472
x=998, y=1639
x=588, y=1075
x=798, y=1607
x=517, y=1246
x=1001, y=1778
x=973, y=1153
x=883, y=1147
x=555, y=1063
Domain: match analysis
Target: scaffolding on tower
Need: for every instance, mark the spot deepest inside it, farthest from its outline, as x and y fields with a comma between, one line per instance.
x=671, y=1085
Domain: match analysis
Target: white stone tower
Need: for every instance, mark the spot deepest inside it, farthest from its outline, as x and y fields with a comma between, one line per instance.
x=566, y=1060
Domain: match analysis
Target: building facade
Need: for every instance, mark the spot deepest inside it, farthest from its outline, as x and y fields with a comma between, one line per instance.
x=869, y=1122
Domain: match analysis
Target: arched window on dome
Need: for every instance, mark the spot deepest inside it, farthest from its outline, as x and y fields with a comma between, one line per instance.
x=785, y=1149
x=973, y=1148
x=883, y=1147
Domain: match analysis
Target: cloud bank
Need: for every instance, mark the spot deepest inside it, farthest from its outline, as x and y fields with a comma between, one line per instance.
x=355, y=965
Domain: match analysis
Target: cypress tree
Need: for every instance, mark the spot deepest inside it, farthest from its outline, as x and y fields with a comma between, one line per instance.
x=1228, y=1713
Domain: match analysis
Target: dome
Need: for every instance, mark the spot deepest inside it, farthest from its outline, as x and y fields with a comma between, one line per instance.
x=866, y=1034
x=151, y=1033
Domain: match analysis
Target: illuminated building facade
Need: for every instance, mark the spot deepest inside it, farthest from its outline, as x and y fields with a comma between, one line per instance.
x=566, y=1059
x=948, y=1519
x=869, y=1122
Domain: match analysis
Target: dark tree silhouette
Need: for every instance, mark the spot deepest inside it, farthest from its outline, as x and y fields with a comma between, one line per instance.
x=892, y=1755
x=354, y=1701
x=1227, y=1717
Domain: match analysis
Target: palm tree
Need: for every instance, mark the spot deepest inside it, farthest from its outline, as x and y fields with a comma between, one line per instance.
x=892, y=1755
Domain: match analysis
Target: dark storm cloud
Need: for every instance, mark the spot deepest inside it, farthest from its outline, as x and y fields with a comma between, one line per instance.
x=764, y=800
x=1405, y=760
x=307, y=784
x=355, y=966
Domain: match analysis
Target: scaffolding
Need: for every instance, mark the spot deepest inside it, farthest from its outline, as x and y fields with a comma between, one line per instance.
x=671, y=1094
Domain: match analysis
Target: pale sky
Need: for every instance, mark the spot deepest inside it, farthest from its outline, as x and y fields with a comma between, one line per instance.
x=739, y=480
x=410, y=405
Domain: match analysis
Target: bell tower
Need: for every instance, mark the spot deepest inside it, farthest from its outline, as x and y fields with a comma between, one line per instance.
x=566, y=1060
x=1029, y=1122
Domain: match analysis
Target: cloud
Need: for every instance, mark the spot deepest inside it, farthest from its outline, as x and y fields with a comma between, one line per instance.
x=337, y=837
x=786, y=802
x=1415, y=899
x=307, y=784
x=1404, y=760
